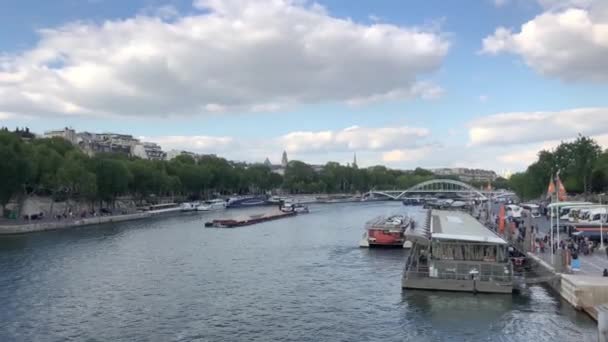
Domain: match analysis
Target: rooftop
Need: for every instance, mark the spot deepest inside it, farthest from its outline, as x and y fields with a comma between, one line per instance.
x=455, y=225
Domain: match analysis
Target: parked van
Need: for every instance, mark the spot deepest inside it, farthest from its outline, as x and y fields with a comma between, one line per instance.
x=533, y=209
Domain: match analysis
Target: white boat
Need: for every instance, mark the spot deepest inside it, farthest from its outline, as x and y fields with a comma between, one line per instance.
x=188, y=206
x=216, y=204
x=294, y=207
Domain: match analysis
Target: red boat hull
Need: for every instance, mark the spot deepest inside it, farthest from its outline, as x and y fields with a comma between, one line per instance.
x=377, y=237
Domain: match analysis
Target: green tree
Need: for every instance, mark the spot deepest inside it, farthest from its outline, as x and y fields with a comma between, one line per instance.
x=113, y=178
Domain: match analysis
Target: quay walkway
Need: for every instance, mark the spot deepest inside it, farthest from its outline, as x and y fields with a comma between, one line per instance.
x=33, y=226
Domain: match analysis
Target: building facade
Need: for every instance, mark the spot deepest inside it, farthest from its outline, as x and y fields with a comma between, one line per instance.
x=467, y=175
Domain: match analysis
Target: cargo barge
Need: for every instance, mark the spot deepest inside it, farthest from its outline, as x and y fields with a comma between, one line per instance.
x=254, y=219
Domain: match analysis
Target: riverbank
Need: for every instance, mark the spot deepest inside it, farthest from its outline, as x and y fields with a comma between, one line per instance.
x=67, y=224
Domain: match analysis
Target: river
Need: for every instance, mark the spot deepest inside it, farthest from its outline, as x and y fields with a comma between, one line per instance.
x=296, y=279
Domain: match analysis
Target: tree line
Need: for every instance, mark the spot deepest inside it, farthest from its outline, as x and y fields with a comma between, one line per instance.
x=54, y=167
x=581, y=164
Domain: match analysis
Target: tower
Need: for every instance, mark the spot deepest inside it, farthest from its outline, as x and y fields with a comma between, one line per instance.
x=355, y=161
x=284, y=160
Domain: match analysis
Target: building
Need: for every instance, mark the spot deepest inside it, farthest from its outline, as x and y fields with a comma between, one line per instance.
x=284, y=160
x=66, y=134
x=93, y=143
x=175, y=153
x=467, y=175
x=148, y=150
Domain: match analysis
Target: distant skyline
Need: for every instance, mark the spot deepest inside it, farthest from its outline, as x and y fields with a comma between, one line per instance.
x=430, y=83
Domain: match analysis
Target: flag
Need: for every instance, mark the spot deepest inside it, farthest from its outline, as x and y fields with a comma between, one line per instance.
x=501, y=219
x=561, y=189
x=551, y=189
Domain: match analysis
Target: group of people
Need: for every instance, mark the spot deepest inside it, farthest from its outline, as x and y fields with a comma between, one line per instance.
x=576, y=245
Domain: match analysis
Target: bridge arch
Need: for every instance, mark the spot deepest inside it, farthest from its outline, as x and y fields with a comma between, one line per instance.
x=434, y=185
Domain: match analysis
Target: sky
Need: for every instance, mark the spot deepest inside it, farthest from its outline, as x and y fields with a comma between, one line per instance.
x=429, y=83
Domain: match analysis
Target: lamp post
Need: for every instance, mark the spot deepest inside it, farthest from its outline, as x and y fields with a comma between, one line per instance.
x=601, y=224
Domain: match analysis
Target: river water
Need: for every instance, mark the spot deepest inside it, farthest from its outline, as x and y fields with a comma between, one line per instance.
x=297, y=279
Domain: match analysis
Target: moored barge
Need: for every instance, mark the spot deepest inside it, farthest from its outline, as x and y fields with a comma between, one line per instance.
x=454, y=252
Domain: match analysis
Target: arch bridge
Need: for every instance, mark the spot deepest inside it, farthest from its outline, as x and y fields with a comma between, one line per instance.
x=440, y=186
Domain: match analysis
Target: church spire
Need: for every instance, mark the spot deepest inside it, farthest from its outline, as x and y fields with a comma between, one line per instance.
x=284, y=160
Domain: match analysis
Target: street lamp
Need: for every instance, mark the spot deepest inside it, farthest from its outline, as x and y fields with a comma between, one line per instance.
x=601, y=224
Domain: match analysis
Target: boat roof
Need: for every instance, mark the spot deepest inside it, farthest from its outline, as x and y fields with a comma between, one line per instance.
x=567, y=204
x=454, y=225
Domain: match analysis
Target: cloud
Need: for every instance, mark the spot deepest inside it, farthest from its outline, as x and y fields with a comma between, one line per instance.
x=529, y=127
x=483, y=98
x=500, y=3
x=406, y=155
x=233, y=55
x=354, y=138
x=202, y=144
x=568, y=43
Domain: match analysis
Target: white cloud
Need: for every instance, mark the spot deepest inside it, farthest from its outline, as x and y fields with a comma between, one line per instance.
x=406, y=155
x=233, y=55
x=203, y=144
x=354, y=139
x=569, y=43
x=500, y=3
x=423, y=90
x=528, y=127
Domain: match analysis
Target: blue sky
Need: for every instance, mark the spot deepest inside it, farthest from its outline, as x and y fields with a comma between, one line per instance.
x=432, y=83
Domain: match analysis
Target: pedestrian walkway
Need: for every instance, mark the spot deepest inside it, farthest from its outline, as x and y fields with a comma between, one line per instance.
x=591, y=265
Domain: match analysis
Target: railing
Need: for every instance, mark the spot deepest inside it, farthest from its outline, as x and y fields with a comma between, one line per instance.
x=507, y=279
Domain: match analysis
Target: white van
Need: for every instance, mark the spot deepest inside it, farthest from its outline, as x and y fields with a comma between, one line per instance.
x=595, y=215
x=513, y=211
x=532, y=208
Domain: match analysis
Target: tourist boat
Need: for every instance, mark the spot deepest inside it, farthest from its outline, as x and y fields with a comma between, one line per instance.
x=212, y=205
x=188, y=206
x=294, y=208
x=248, y=201
x=277, y=199
x=386, y=231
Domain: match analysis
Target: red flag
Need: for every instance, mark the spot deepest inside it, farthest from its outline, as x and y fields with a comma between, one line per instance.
x=561, y=189
x=551, y=189
x=501, y=219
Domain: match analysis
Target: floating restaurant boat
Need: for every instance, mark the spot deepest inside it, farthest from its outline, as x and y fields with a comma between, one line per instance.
x=212, y=205
x=247, y=201
x=386, y=231
x=454, y=252
x=253, y=219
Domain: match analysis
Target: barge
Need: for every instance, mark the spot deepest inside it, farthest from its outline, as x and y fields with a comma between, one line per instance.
x=454, y=252
x=254, y=219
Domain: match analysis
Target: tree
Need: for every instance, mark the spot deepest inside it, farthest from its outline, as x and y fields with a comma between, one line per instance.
x=297, y=176
x=113, y=178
